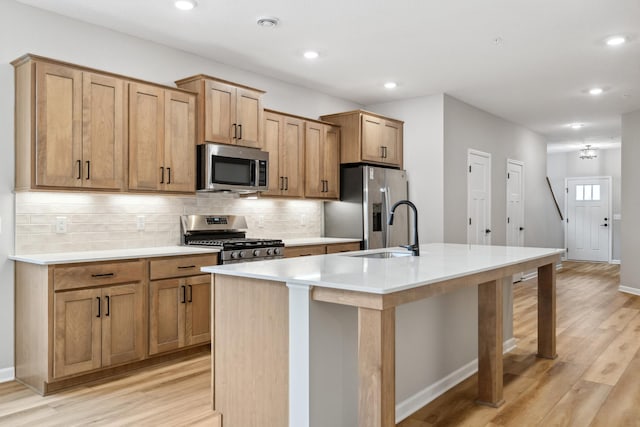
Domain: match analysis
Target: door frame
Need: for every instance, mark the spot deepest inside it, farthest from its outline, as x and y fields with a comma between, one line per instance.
x=609, y=209
x=522, y=194
x=471, y=151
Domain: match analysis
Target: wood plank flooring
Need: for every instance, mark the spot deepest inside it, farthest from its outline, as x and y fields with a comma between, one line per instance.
x=595, y=381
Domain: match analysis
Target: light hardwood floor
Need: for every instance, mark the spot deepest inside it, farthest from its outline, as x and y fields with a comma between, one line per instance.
x=595, y=381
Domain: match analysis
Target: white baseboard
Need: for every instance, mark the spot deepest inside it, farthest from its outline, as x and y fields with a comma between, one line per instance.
x=7, y=374
x=430, y=393
x=533, y=274
x=629, y=290
x=615, y=261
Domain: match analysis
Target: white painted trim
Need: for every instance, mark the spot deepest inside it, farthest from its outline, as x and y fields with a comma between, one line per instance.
x=534, y=274
x=615, y=261
x=7, y=374
x=299, y=351
x=437, y=389
x=629, y=290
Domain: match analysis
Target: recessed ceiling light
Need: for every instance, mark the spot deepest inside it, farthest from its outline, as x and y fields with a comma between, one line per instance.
x=390, y=85
x=268, y=21
x=595, y=91
x=616, y=40
x=576, y=125
x=311, y=54
x=185, y=4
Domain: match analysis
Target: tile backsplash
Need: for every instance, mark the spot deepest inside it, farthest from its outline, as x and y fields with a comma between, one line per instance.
x=109, y=221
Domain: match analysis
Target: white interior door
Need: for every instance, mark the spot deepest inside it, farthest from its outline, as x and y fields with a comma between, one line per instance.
x=515, y=203
x=479, y=198
x=588, y=219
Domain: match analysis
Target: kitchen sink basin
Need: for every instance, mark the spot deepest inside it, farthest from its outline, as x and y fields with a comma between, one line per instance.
x=383, y=255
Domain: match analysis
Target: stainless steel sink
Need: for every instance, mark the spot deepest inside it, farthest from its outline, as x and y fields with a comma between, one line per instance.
x=383, y=255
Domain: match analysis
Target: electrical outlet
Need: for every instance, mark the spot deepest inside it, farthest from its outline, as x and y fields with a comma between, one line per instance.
x=140, y=223
x=261, y=221
x=303, y=219
x=61, y=224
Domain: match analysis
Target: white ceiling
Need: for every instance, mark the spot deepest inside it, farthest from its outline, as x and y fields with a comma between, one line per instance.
x=551, y=52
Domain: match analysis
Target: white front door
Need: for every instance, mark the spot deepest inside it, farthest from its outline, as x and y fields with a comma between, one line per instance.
x=479, y=198
x=515, y=203
x=588, y=219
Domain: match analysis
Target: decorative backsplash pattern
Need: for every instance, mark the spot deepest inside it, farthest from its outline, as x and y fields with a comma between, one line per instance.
x=109, y=221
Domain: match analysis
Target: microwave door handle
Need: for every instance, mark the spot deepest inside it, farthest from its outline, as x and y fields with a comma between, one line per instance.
x=256, y=165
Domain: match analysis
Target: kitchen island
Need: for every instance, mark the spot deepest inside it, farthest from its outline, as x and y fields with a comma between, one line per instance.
x=274, y=327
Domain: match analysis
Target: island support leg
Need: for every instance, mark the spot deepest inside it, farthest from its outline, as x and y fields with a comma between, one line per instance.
x=547, y=311
x=376, y=367
x=490, y=343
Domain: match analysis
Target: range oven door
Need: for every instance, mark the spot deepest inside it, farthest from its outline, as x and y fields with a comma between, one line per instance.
x=231, y=168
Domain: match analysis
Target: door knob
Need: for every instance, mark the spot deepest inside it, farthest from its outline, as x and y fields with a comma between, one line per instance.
x=487, y=231
x=521, y=228
x=604, y=225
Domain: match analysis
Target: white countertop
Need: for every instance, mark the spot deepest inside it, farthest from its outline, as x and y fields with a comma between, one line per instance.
x=437, y=262
x=306, y=241
x=110, y=255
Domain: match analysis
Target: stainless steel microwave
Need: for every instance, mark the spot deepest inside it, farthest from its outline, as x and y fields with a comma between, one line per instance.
x=232, y=168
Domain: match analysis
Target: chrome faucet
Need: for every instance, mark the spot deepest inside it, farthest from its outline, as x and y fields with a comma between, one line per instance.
x=415, y=248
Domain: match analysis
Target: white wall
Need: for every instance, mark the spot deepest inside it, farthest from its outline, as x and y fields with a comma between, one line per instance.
x=28, y=30
x=630, y=242
x=567, y=165
x=468, y=127
x=423, y=154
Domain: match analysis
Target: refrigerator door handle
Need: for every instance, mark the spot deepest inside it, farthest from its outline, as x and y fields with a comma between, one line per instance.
x=386, y=205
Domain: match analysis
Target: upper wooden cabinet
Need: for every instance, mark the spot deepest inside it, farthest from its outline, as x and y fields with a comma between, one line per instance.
x=322, y=154
x=369, y=138
x=228, y=113
x=70, y=127
x=284, y=140
x=161, y=139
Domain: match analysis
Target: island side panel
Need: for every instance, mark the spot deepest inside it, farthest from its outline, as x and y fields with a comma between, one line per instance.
x=547, y=311
x=250, y=359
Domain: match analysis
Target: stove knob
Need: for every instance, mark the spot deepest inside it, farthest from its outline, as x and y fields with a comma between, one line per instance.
x=277, y=251
x=269, y=251
x=234, y=255
x=256, y=252
x=241, y=254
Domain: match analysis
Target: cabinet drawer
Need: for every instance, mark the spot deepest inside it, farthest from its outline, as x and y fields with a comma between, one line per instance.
x=97, y=274
x=180, y=266
x=343, y=247
x=305, y=251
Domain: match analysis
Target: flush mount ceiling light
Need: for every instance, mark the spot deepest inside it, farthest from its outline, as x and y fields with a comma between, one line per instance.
x=311, y=54
x=268, y=21
x=588, y=153
x=185, y=4
x=390, y=85
x=576, y=125
x=596, y=91
x=616, y=40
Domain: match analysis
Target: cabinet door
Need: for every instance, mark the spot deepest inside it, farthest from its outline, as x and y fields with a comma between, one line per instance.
x=372, y=130
x=146, y=137
x=180, y=142
x=77, y=332
x=220, y=112
x=392, y=142
x=103, y=131
x=272, y=138
x=166, y=315
x=198, y=315
x=331, y=162
x=292, y=157
x=58, y=126
x=249, y=118
x=123, y=325
x=313, y=167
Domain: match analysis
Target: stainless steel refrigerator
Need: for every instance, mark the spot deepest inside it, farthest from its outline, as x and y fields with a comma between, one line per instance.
x=366, y=196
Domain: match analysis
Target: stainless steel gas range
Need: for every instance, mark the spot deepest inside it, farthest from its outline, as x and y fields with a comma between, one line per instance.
x=226, y=232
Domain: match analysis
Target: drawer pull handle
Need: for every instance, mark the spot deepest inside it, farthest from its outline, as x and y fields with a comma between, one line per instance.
x=190, y=293
x=103, y=275
x=305, y=254
x=79, y=169
x=184, y=294
x=99, y=305
x=184, y=267
x=108, y=305
x=88, y=169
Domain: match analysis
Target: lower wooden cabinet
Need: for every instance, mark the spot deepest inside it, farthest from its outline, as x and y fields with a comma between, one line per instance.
x=179, y=313
x=307, y=250
x=95, y=328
